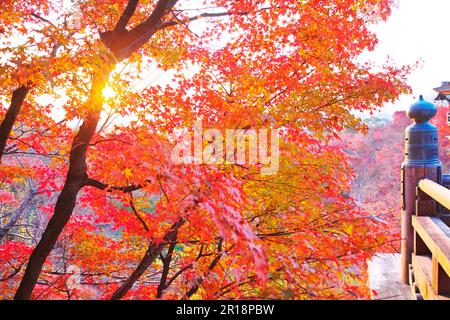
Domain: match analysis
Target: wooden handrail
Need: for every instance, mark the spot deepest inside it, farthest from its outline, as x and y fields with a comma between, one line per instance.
x=436, y=236
x=431, y=258
x=439, y=193
x=425, y=242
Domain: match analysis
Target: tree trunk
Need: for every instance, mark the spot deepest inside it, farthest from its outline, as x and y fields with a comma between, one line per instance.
x=77, y=175
x=76, y=179
x=10, y=118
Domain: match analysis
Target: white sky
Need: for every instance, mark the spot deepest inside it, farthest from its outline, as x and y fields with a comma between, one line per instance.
x=417, y=30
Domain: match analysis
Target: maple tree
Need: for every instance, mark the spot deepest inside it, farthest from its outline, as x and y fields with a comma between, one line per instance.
x=113, y=217
x=376, y=156
x=441, y=122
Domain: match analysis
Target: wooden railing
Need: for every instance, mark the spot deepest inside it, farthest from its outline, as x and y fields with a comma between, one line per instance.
x=429, y=275
x=425, y=244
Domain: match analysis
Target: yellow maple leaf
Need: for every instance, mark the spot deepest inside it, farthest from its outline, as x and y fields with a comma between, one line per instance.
x=127, y=173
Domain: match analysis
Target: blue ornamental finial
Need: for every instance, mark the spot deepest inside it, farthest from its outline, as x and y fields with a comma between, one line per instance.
x=422, y=111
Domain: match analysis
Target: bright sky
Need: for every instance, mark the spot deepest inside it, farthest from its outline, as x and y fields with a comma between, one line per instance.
x=417, y=30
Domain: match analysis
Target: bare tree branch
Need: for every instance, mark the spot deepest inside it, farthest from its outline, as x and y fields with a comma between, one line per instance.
x=166, y=268
x=154, y=249
x=126, y=16
x=198, y=282
x=105, y=187
x=124, y=44
x=136, y=213
x=44, y=20
x=17, y=214
x=206, y=15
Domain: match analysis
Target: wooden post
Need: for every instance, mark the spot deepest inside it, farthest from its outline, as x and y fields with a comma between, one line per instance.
x=441, y=281
x=421, y=161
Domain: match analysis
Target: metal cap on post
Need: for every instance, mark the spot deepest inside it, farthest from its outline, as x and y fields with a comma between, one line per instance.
x=422, y=137
x=421, y=161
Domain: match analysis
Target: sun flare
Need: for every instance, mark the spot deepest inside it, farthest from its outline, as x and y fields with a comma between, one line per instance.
x=108, y=92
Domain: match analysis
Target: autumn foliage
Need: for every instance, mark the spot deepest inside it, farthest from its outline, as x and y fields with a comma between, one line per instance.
x=93, y=207
x=375, y=157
